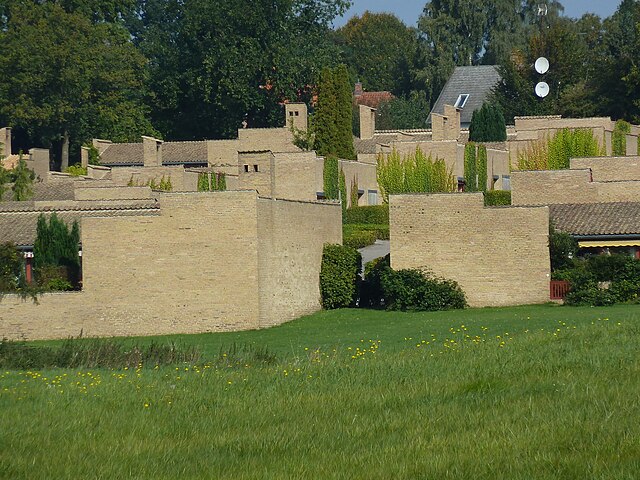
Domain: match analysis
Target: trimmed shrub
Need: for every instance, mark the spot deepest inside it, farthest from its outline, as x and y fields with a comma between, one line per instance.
x=414, y=290
x=359, y=238
x=496, y=198
x=374, y=214
x=488, y=125
x=330, y=178
x=562, y=248
x=339, y=274
x=481, y=167
x=381, y=231
x=470, y=171
x=343, y=193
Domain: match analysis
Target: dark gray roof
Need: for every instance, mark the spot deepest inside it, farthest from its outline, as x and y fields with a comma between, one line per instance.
x=596, y=219
x=18, y=220
x=475, y=81
x=369, y=145
x=173, y=153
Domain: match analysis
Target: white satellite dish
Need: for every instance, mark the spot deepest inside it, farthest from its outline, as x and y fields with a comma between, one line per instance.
x=542, y=65
x=542, y=89
x=542, y=9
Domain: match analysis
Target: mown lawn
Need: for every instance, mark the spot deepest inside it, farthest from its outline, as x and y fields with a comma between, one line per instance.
x=517, y=393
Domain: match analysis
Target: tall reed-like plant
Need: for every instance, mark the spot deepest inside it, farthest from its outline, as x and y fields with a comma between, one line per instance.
x=619, y=138
x=413, y=173
x=556, y=152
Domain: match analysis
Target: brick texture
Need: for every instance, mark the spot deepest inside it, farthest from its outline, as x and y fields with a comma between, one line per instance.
x=499, y=256
x=198, y=267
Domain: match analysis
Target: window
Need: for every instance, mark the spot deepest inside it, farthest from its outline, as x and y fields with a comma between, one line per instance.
x=291, y=114
x=462, y=100
x=461, y=184
x=372, y=197
x=297, y=113
x=255, y=168
x=246, y=168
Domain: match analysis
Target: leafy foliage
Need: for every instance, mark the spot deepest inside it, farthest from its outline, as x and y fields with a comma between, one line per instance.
x=403, y=112
x=495, y=198
x=414, y=290
x=377, y=47
x=70, y=77
x=470, y=172
x=414, y=173
x=203, y=182
x=330, y=178
x=555, y=153
x=214, y=64
x=343, y=192
x=481, y=167
x=339, y=276
x=23, y=181
x=562, y=249
x=76, y=170
x=619, y=138
x=332, y=122
x=487, y=124
x=55, y=252
x=12, y=276
x=372, y=214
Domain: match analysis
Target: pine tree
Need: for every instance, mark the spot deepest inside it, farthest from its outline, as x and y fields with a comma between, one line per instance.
x=482, y=168
x=23, y=184
x=354, y=193
x=470, y=173
x=333, y=118
x=330, y=178
x=343, y=192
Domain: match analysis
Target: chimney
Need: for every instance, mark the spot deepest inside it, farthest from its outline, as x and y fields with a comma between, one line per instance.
x=367, y=121
x=296, y=115
x=84, y=157
x=152, y=151
x=357, y=91
x=452, y=130
x=5, y=140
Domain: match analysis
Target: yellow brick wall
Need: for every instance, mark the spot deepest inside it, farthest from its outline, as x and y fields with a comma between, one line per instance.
x=606, y=169
x=499, y=256
x=209, y=262
x=112, y=193
x=181, y=181
x=290, y=237
x=259, y=180
x=549, y=187
x=366, y=179
x=295, y=176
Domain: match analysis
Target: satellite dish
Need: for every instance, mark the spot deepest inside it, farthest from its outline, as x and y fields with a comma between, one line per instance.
x=542, y=89
x=542, y=65
x=542, y=9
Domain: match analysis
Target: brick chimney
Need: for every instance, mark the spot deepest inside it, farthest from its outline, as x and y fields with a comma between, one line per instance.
x=367, y=121
x=5, y=140
x=152, y=151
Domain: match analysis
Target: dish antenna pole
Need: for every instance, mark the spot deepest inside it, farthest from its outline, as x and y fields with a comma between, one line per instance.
x=542, y=64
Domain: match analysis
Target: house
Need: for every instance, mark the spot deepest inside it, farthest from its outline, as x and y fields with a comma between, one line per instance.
x=467, y=89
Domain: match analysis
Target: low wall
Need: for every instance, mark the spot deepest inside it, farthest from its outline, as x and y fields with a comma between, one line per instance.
x=607, y=169
x=499, y=256
x=548, y=187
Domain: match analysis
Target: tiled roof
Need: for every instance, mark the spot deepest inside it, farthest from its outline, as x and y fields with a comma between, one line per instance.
x=372, y=99
x=184, y=152
x=122, y=154
x=597, y=218
x=368, y=145
x=18, y=220
x=475, y=81
x=172, y=153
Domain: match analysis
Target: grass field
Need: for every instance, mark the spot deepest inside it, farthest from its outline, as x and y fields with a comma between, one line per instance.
x=517, y=393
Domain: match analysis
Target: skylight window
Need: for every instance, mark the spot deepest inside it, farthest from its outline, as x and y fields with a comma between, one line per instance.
x=462, y=100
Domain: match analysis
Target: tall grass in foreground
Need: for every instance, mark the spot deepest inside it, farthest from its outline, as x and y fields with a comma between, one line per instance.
x=474, y=401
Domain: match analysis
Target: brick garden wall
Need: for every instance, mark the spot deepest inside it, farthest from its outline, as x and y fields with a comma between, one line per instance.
x=499, y=256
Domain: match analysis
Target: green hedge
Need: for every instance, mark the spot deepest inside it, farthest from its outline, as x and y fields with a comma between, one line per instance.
x=374, y=214
x=495, y=198
x=415, y=290
x=359, y=238
x=339, y=276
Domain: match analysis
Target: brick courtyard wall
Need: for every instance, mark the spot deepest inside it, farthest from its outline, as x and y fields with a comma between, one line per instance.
x=547, y=187
x=205, y=264
x=294, y=176
x=607, y=169
x=181, y=181
x=366, y=176
x=499, y=256
x=291, y=236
